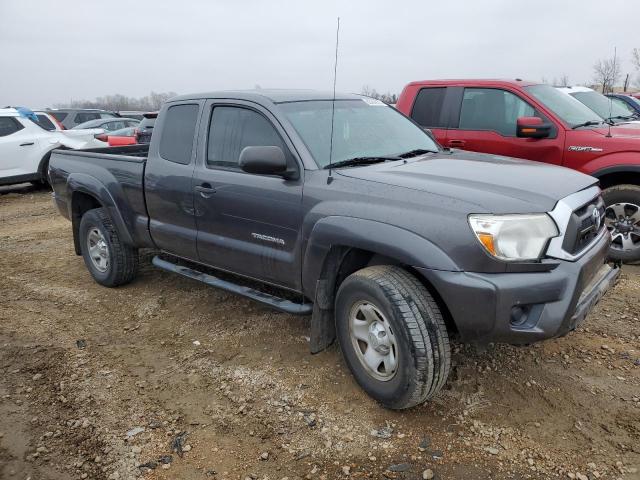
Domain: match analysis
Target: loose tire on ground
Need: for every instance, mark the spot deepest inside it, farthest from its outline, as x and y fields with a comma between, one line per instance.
x=110, y=261
x=414, y=330
x=623, y=200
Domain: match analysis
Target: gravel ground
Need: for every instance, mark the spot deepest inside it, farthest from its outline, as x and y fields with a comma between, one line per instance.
x=169, y=379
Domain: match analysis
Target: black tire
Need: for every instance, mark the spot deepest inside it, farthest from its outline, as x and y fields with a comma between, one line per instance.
x=629, y=194
x=122, y=265
x=43, y=170
x=423, y=353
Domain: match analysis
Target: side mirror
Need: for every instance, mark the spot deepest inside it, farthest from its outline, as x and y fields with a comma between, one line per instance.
x=532, y=127
x=263, y=160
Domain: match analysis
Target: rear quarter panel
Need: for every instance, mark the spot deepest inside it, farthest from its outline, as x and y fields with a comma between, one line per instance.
x=115, y=181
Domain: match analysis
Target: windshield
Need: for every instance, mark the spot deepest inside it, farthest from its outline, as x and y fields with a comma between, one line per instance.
x=569, y=109
x=602, y=105
x=362, y=128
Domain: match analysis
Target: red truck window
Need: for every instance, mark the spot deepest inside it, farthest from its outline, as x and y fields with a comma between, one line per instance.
x=427, y=109
x=492, y=109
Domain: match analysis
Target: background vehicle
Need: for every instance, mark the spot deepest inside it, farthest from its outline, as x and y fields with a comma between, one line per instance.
x=612, y=112
x=130, y=114
x=145, y=127
x=117, y=138
x=25, y=146
x=70, y=117
x=48, y=121
x=109, y=124
x=628, y=100
x=537, y=122
x=247, y=183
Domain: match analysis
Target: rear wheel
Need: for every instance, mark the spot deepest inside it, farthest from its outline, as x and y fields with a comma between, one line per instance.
x=392, y=335
x=622, y=217
x=44, y=170
x=108, y=259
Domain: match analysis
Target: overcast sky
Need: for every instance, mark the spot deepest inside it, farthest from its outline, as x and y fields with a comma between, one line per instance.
x=54, y=51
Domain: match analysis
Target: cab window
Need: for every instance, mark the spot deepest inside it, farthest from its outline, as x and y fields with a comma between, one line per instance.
x=427, y=109
x=234, y=128
x=493, y=109
x=178, y=132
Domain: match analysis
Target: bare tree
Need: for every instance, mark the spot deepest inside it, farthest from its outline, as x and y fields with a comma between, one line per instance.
x=118, y=102
x=388, y=98
x=564, y=80
x=635, y=60
x=606, y=73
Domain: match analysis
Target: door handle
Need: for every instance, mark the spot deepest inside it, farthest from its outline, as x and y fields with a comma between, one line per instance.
x=205, y=190
x=456, y=143
x=26, y=144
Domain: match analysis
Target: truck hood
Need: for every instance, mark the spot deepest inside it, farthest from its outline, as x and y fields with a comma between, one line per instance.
x=492, y=183
x=623, y=130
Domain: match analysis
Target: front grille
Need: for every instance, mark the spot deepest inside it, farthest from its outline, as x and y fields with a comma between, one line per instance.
x=584, y=226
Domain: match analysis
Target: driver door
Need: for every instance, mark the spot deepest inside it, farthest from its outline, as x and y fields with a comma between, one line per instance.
x=248, y=224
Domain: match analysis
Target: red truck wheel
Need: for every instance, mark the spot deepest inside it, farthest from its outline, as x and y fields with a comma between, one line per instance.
x=622, y=217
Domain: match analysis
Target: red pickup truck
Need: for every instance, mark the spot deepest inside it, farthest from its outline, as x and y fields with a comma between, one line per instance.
x=537, y=122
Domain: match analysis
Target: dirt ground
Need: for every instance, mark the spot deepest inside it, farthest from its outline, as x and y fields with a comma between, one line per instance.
x=169, y=379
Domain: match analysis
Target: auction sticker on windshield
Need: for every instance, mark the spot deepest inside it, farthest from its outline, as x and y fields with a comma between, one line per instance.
x=373, y=102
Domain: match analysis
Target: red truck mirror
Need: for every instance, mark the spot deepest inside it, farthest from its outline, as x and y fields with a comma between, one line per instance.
x=532, y=127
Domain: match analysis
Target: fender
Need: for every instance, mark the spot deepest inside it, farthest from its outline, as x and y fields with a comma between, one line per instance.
x=616, y=169
x=620, y=161
x=406, y=247
x=81, y=182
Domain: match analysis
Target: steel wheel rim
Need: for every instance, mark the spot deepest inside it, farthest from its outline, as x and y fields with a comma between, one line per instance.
x=98, y=250
x=623, y=221
x=373, y=340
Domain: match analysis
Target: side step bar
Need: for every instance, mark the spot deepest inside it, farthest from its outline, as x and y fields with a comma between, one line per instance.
x=271, y=300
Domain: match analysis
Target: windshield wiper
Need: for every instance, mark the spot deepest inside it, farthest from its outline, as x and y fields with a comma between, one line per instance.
x=586, y=124
x=360, y=161
x=620, y=117
x=415, y=153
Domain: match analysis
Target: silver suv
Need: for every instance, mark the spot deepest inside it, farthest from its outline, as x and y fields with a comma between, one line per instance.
x=70, y=117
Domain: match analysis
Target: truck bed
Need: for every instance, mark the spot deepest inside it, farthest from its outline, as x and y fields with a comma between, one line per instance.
x=113, y=174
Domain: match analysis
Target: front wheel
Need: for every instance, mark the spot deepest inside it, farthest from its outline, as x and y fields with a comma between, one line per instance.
x=622, y=217
x=110, y=261
x=392, y=335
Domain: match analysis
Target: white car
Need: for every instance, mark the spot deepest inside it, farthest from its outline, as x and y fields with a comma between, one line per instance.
x=611, y=111
x=25, y=146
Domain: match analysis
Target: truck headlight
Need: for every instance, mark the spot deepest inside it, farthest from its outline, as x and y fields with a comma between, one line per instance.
x=514, y=237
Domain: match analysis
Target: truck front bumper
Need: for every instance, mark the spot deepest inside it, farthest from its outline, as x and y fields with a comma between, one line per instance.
x=521, y=308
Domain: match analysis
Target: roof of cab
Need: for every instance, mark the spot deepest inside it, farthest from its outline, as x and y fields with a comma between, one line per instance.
x=485, y=82
x=272, y=95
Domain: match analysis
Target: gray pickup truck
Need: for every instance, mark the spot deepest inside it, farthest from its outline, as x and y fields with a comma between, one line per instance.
x=348, y=211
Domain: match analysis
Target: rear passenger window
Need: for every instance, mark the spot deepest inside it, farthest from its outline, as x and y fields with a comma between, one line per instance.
x=232, y=129
x=493, y=109
x=176, y=139
x=9, y=125
x=45, y=123
x=113, y=126
x=427, y=109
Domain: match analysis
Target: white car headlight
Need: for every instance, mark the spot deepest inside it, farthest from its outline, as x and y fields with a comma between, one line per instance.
x=514, y=237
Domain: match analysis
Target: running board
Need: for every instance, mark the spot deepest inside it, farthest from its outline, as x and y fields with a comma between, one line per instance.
x=276, y=302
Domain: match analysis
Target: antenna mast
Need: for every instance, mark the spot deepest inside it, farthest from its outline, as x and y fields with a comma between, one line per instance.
x=613, y=84
x=333, y=101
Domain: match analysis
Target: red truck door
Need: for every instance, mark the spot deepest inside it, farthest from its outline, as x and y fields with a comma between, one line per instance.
x=486, y=122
